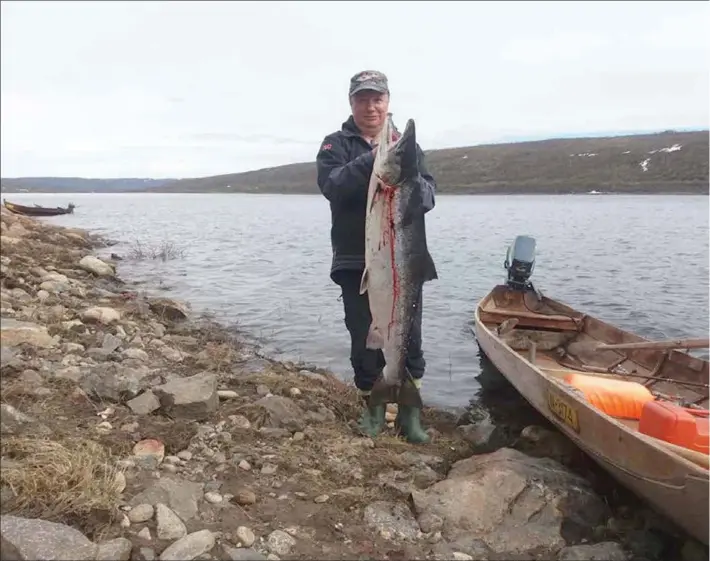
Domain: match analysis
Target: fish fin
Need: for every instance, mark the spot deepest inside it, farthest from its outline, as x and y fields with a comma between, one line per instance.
x=424, y=267
x=429, y=268
x=374, y=340
x=375, y=195
x=363, y=281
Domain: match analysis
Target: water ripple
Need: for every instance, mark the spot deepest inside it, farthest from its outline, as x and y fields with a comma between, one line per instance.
x=261, y=262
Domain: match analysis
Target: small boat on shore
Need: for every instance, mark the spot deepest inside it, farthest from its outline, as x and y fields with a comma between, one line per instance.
x=638, y=408
x=37, y=210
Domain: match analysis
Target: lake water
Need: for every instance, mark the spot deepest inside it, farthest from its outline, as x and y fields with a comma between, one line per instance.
x=261, y=262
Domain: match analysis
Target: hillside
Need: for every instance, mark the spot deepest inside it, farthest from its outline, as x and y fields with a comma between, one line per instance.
x=666, y=162
x=78, y=184
x=663, y=162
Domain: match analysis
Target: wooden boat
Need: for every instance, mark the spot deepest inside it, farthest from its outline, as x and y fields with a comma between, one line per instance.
x=624, y=407
x=37, y=210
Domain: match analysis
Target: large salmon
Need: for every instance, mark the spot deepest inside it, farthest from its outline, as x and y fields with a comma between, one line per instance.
x=397, y=260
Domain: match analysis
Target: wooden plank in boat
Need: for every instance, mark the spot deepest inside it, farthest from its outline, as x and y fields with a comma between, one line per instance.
x=527, y=319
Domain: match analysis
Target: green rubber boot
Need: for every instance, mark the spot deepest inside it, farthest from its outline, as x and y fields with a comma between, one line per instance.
x=408, y=420
x=372, y=419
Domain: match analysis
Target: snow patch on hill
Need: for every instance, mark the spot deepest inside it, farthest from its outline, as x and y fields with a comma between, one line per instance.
x=667, y=150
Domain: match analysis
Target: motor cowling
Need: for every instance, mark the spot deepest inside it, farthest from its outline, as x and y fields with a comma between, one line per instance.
x=520, y=262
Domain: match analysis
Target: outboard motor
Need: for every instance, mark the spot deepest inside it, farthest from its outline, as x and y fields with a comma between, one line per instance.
x=519, y=262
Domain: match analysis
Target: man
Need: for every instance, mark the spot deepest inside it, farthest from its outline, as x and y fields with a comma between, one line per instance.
x=344, y=164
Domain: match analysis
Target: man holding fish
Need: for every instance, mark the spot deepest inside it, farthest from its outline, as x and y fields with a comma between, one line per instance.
x=379, y=190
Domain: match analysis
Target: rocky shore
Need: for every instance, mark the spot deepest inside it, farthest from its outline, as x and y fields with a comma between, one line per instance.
x=132, y=429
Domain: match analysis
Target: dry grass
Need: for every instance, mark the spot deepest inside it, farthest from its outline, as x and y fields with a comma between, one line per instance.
x=40, y=249
x=64, y=399
x=218, y=347
x=56, y=481
x=163, y=251
x=344, y=399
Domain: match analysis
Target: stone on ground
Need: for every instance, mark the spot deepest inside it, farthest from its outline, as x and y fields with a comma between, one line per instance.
x=180, y=495
x=26, y=539
x=14, y=333
x=189, y=546
x=532, y=498
x=194, y=397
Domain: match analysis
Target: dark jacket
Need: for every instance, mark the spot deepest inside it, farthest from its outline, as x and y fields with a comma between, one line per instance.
x=344, y=164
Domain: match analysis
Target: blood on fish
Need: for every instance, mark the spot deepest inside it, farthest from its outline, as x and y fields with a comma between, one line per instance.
x=389, y=235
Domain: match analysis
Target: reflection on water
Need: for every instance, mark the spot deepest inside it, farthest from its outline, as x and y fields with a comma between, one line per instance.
x=261, y=262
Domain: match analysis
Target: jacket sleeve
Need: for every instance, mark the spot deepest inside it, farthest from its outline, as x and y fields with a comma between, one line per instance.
x=342, y=182
x=427, y=183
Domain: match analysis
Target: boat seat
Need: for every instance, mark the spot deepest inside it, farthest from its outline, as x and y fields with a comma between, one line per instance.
x=529, y=319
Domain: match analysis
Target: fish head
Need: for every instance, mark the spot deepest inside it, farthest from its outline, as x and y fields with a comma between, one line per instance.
x=396, y=162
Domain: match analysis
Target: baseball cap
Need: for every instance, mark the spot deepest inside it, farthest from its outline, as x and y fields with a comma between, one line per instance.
x=369, y=80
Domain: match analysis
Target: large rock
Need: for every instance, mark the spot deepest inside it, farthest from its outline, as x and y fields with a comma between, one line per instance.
x=511, y=502
x=393, y=521
x=54, y=287
x=144, y=404
x=189, y=398
x=482, y=436
x=114, y=382
x=33, y=539
x=180, y=495
x=118, y=549
x=541, y=442
x=96, y=266
x=281, y=412
x=189, y=547
x=101, y=314
x=170, y=527
x=53, y=276
x=135, y=354
x=14, y=333
x=280, y=543
x=170, y=310
x=603, y=551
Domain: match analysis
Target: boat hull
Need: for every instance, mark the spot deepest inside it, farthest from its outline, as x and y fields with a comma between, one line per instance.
x=37, y=210
x=675, y=486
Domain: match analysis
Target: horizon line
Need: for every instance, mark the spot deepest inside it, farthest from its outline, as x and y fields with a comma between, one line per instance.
x=504, y=140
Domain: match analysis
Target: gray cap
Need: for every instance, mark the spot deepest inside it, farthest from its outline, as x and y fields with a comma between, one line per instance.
x=369, y=80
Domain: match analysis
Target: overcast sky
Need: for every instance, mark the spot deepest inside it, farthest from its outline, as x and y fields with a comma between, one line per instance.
x=185, y=89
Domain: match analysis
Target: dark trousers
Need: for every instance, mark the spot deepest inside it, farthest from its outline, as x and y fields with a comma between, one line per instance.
x=367, y=364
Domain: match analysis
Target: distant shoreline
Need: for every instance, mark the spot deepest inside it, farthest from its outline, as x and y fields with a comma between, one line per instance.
x=440, y=194
x=666, y=163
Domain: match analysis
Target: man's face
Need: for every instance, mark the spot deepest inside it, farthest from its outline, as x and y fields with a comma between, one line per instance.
x=369, y=109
